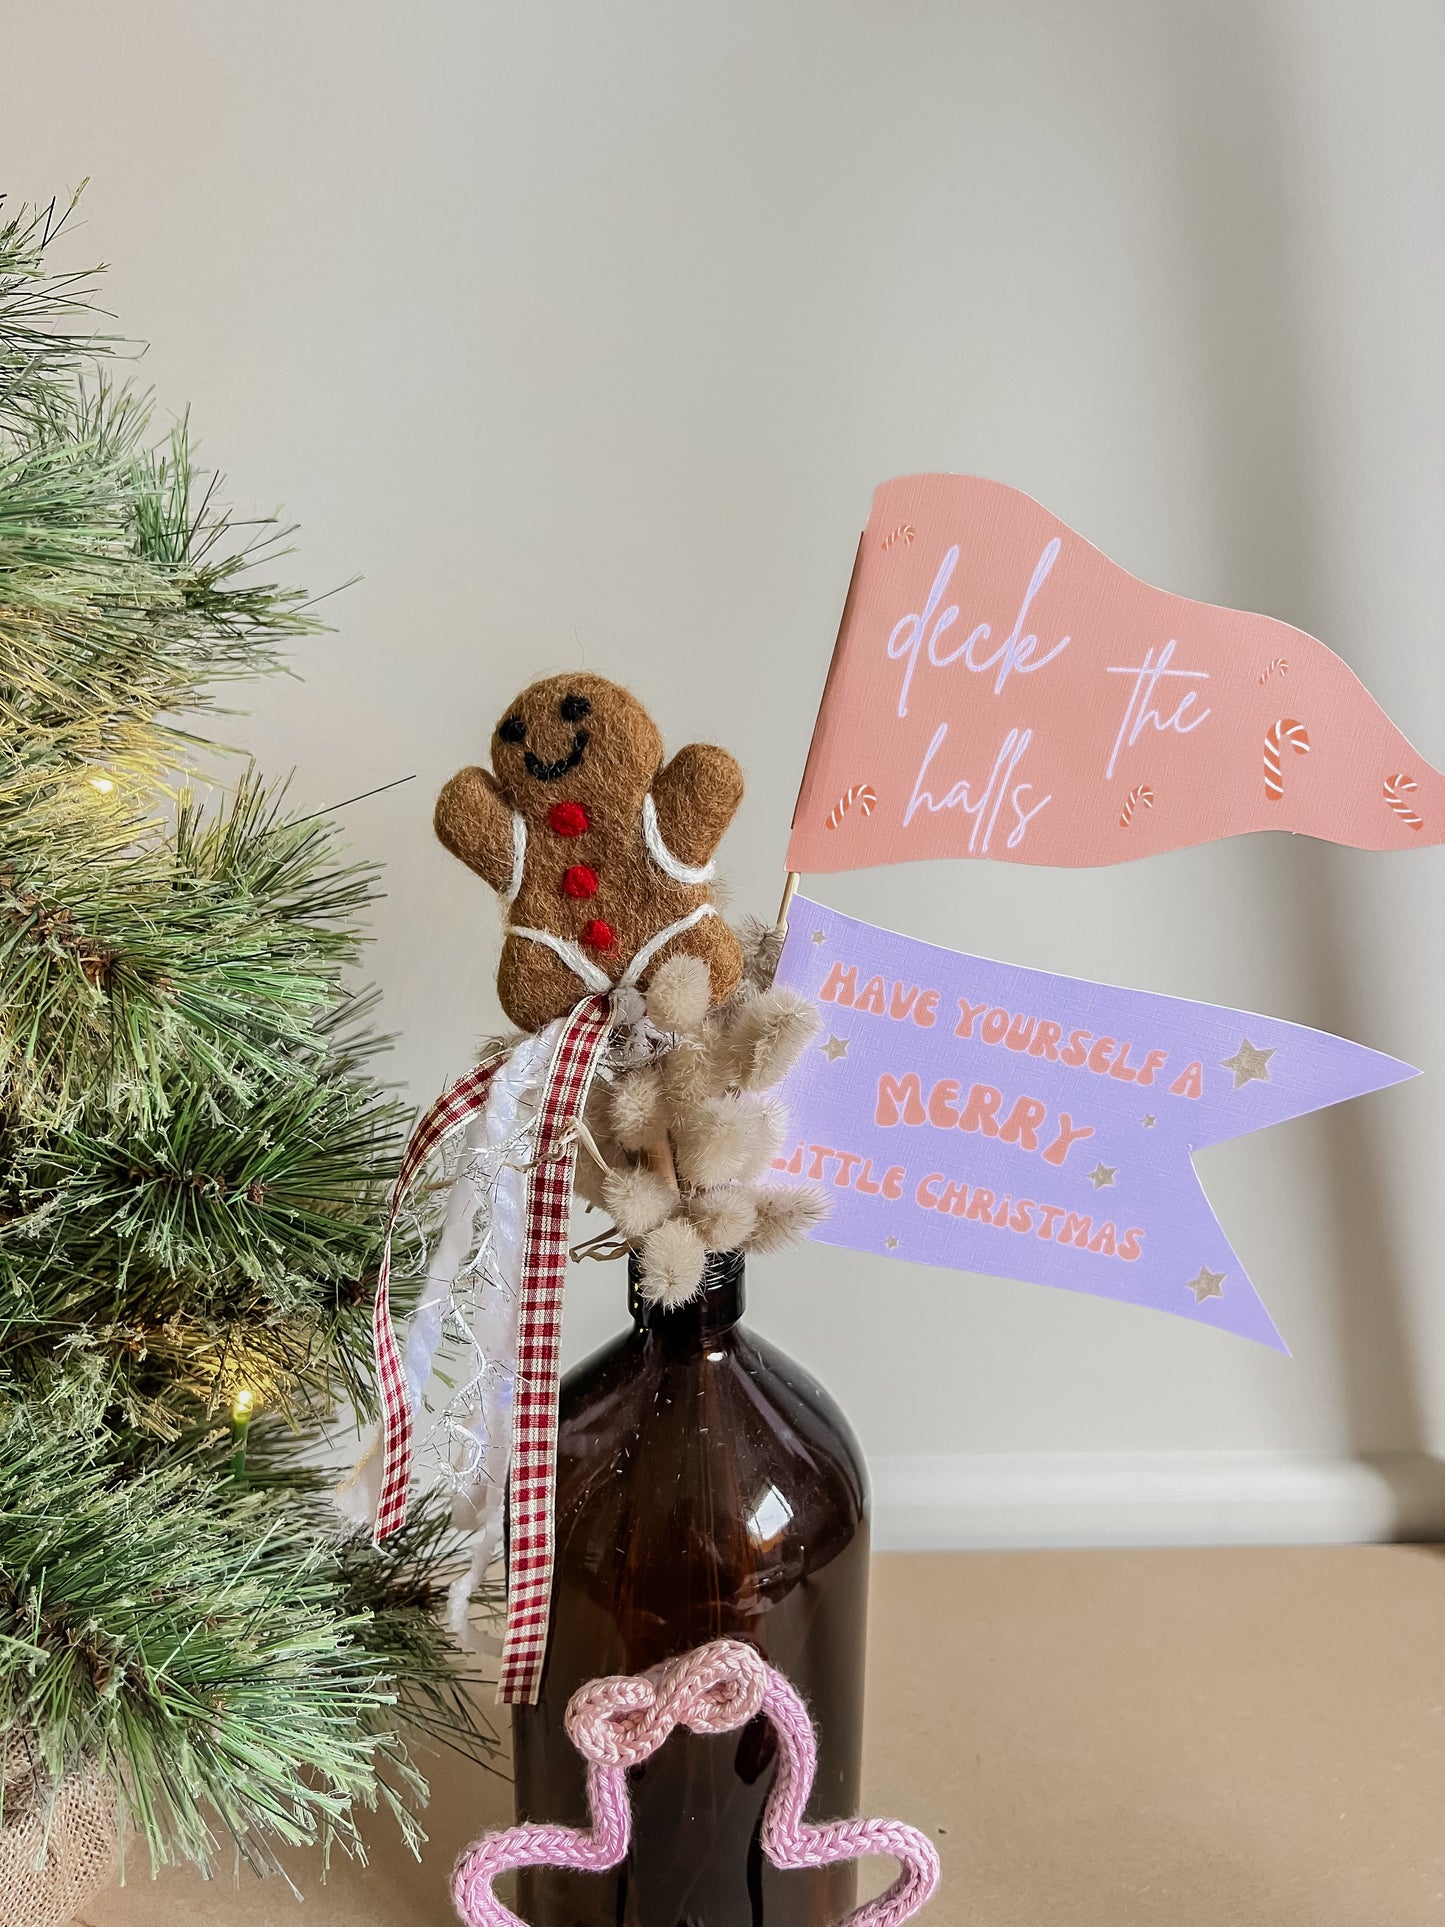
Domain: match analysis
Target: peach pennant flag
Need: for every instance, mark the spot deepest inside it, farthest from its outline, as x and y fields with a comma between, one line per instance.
x=1001, y=689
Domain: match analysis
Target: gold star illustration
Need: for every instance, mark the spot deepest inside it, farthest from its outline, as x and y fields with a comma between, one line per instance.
x=820, y=936
x=1150, y=1121
x=892, y=1243
x=1247, y=1063
x=1209, y=1284
x=1103, y=1174
x=835, y=1048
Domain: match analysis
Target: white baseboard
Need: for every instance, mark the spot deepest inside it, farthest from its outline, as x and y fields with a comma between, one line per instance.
x=1168, y=1499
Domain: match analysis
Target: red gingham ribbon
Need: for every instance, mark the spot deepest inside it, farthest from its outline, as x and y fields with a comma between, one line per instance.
x=532, y=1484
x=533, y=1474
x=452, y=1110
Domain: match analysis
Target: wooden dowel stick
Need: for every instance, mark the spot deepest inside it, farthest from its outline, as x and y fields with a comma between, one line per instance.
x=657, y=1156
x=790, y=890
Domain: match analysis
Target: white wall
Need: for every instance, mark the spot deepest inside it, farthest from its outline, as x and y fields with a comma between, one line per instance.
x=583, y=333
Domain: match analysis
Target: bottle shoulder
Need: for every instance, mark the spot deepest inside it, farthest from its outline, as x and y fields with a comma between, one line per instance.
x=634, y=1379
x=655, y=1438
x=815, y=1419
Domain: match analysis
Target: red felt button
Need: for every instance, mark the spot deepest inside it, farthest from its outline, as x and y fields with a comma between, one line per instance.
x=580, y=881
x=598, y=935
x=568, y=819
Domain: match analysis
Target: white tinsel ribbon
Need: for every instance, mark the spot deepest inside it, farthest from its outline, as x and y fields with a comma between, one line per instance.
x=480, y=1243
x=471, y=1299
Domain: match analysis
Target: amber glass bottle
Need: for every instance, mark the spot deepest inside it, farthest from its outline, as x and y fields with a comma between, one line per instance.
x=706, y=1487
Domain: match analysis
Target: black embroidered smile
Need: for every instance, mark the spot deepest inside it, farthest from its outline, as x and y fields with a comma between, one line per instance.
x=550, y=772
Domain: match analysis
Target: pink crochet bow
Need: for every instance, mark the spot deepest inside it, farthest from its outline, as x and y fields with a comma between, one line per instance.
x=620, y=1722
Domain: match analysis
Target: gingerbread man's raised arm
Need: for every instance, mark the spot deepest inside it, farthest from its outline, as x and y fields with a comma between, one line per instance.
x=475, y=824
x=696, y=796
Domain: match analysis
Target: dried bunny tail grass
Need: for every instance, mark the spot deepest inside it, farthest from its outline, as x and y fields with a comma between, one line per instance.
x=697, y=1068
x=638, y=1200
x=680, y=993
x=673, y=1259
x=635, y=1105
x=723, y=1217
x=726, y=1139
x=785, y=1213
x=767, y=1034
x=770, y=1130
x=598, y=1118
x=762, y=946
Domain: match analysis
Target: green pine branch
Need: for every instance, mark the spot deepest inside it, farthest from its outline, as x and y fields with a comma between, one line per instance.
x=222, y=1658
x=39, y=348
x=221, y=946
x=194, y=1154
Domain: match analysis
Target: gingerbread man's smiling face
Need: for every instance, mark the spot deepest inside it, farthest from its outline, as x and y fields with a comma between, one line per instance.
x=581, y=728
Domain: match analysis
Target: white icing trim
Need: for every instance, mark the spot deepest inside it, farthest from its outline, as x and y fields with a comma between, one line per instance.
x=670, y=865
x=591, y=974
x=650, y=949
x=575, y=958
x=519, y=856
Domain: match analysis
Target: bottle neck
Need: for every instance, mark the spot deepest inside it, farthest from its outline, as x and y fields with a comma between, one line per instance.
x=716, y=1308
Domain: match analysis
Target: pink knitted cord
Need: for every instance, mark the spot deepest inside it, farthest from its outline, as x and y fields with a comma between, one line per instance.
x=620, y=1722
x=791, y=1841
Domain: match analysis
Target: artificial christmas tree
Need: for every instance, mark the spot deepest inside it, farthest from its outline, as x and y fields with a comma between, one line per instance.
x=193, y=1150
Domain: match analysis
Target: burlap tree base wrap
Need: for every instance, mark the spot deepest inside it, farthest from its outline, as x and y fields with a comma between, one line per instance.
x=57, y=1843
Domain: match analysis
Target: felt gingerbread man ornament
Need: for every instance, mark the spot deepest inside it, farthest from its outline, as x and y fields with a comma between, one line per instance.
x=601, y=852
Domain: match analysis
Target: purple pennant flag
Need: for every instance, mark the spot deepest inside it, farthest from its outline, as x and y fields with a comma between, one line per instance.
x=995, y=1119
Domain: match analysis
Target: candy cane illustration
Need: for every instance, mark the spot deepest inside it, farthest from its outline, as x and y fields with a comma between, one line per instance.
x=1286, y=730
x=1397, y=788
x=1141, y=794
x=904, y=533
x=1281, y=663
x=863, y=795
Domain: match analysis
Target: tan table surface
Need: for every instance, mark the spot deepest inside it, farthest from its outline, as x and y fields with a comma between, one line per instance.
x=1234, y=1738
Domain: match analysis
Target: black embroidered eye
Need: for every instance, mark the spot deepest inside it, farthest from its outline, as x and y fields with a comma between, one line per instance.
x=514, y=730
x=574, y=708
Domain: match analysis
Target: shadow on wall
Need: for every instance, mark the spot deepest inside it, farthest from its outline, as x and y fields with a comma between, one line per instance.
x=1244, y=303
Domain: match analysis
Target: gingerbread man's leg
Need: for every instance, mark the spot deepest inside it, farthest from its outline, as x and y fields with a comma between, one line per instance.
x=534, y=984
x=716, y=945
